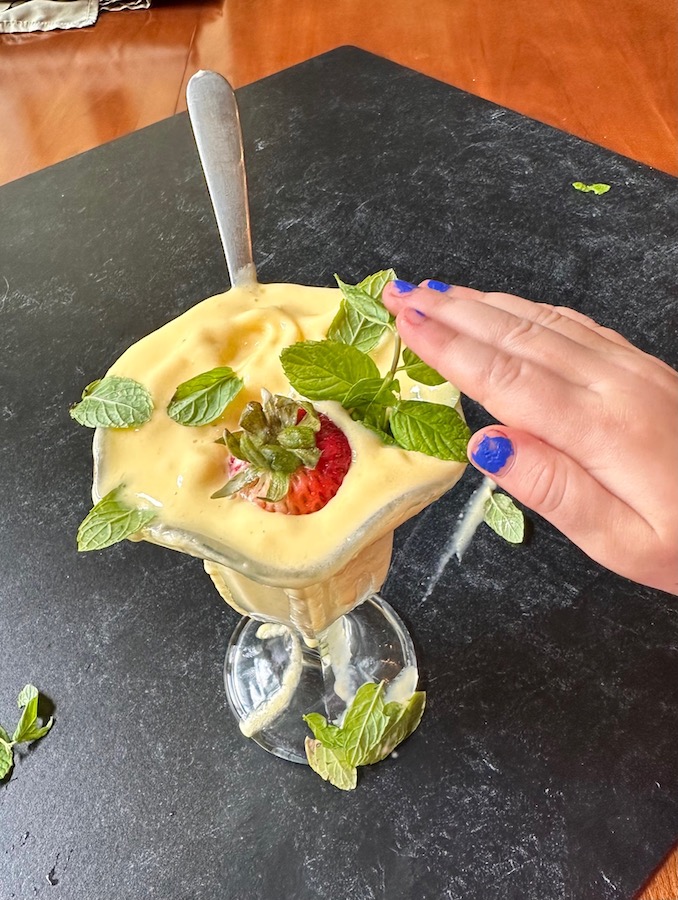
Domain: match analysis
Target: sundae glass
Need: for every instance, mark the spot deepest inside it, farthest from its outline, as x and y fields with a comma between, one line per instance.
x=314, y=628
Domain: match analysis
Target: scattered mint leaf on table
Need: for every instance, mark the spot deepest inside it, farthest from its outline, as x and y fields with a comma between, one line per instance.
x=113, y=402
x=27, y=730
x=590, y=188
x=331, y=765
x=364, y=722
x=370, y=731
x=111, y=521
x=404, y=718
x=504, y=517
x=203, y=398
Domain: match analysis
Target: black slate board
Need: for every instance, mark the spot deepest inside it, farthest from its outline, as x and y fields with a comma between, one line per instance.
x=547, y=765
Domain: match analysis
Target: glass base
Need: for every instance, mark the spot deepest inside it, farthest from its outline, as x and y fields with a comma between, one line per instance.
x=273, y=677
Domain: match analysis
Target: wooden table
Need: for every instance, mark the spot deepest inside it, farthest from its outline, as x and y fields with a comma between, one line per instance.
x=606, y=72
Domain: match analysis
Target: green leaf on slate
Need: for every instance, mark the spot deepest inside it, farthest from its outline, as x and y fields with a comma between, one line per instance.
x=111, y=521
x=403, y=720
x=331, y=765
x=370, y=731
x=28, y=702
x=113, y=402
x=364, y=723
x=6, y=757
x=419, y=371
x=431, y=428
x=28, y=728
x=504, y=517
x=590, y=188
x=325, y=370
x=330, y=735
x=203, y=398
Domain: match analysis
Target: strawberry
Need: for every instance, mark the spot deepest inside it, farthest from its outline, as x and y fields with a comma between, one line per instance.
x=287, y=458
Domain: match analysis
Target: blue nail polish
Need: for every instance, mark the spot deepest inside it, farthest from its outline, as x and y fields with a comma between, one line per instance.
x=403, y=287
x=493, y=453
x=438, y=285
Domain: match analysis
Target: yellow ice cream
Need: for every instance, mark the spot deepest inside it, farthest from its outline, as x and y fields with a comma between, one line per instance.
x=307, y=569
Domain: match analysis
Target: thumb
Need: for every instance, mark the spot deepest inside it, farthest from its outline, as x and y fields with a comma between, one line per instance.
x=555, y=486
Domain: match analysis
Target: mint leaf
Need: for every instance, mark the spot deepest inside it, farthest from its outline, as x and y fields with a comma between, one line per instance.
x=113, y=402
x=419, y=371
x=203, y=398
x=364, y=722
x=586, y=188
x=330, y=735
x=370, y=731
x=431, y=428
x=28, y=729
x=325, y=370
x=6, y=756
x=373, y=421
x=375, y=284
x=504, y=517
x=362, y=302
x=404, y=718
x=28, y=701
x=331, y=765
x=370, y=390
x=110, y=521
x=351, y=327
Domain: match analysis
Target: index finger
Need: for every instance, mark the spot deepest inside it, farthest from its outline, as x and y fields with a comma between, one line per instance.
x=528, y=391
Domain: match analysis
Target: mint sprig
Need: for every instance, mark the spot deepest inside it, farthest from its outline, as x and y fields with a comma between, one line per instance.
x=370, y=731
x=113, y=402
x=351, y=325
x=365, y=303
x=504, y=517
x=28, y=729
x=341, y=369
x=111, y=521
x=203, y=398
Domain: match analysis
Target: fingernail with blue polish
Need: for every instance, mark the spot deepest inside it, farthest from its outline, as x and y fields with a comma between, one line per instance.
x=494, y=453
x=438, y=285
x=403, y=287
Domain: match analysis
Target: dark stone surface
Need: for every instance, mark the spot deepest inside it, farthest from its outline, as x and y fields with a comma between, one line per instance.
x=546, y=767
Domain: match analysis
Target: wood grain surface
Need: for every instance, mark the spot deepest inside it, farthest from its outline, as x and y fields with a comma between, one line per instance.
x=605, y=71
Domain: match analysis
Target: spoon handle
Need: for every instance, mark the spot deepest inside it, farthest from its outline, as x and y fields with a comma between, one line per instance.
x=213, y=113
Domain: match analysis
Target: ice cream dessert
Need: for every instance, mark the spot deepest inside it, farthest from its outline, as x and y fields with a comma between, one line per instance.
x=304, y=569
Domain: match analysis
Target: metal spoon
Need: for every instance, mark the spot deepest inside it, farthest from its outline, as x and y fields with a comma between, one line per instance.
x=213, y=113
